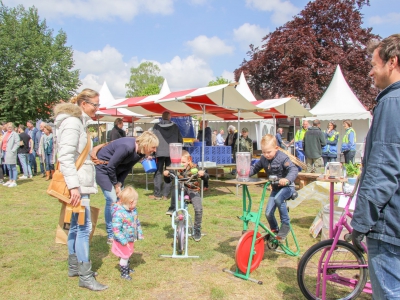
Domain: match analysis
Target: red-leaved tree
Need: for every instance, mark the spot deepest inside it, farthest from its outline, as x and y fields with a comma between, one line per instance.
x=300, y=57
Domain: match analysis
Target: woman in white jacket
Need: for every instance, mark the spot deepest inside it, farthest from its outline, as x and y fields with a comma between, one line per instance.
x=70, y=122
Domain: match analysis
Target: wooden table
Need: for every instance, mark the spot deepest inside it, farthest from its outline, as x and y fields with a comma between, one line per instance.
x=305, y=178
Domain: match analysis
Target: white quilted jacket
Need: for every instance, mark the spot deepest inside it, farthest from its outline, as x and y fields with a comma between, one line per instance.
x=71, y=139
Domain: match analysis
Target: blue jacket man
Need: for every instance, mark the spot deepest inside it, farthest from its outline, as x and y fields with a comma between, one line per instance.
x=377, y=210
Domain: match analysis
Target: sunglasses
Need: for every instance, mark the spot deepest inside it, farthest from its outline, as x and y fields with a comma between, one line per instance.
x=94, y=104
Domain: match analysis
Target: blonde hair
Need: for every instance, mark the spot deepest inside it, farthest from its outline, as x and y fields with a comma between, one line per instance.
x=146, y=140
x=268, y=139
x=127, y=195
x=187, y=155
x=11, y=124
x=49, y=129
x=84, y=96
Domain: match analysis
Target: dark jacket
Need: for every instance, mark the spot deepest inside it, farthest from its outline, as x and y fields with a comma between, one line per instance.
x=33, y=136
x=314, y=140
x=121, y=156
x=25, y=148
x=378, y=202
x=117, y=133
x=207, y=136
x=280, y=166
x=167, y=132
x=235, y=135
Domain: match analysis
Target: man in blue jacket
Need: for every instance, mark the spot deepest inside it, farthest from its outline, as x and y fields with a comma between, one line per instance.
x=377, y=211
x=31, y=130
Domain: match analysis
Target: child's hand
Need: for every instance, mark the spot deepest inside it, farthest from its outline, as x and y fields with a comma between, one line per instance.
x=166, y=173
x=201, y=173
x=283, y=182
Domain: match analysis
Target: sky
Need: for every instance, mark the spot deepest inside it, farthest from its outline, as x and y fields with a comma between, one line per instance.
x=192, y=41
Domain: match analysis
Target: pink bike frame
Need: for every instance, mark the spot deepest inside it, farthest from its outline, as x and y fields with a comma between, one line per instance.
x=334, y=233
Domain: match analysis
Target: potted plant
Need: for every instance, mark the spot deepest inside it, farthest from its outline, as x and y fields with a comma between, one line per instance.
x=352, y=171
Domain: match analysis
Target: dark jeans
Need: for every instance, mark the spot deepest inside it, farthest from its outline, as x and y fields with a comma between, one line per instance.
x=159, y=177
x=328, y=159
x=349, y=156
x=194, y=198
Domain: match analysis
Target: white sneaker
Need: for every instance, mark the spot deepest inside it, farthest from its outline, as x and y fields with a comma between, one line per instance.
x=7, y=183
x=12, y=184
x=23, y=177
x=30, y=176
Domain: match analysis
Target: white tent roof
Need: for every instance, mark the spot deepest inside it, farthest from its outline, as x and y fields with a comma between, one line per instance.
x=105, y=95
x=339, y=102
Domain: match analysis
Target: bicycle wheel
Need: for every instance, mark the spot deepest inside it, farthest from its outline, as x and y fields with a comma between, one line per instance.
x=242, y=253
x=346, y=277
x=181, y=236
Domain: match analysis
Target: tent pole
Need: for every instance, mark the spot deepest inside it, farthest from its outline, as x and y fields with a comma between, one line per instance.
x=98, y=128
x=133, y=125
x=203, y=133
x=238, y=132
x=294, y=134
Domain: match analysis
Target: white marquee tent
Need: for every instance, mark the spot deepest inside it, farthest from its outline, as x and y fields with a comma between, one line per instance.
x=339, y=103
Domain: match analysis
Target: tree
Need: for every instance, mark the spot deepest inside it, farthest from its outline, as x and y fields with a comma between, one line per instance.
x=300, y=57
x=144, y=80
x=218, y=81
x=35, y=66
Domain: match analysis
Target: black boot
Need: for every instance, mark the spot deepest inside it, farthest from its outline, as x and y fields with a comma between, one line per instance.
x=198, y=216
x=86, y=277
x=125, y=272
x=72, y=265
x=283, y=232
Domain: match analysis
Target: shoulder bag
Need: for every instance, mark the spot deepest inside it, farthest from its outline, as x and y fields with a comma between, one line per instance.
x=57, y=187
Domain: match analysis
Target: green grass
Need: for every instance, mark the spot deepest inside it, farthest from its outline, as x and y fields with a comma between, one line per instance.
x=34, y=267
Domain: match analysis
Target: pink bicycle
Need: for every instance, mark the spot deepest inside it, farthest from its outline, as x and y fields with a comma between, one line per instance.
x=334, y=269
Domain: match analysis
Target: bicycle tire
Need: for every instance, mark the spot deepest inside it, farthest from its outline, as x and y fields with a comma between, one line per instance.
x=308, y=268
x=180, y=236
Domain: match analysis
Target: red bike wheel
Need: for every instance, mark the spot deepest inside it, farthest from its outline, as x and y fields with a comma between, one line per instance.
x=242, y=253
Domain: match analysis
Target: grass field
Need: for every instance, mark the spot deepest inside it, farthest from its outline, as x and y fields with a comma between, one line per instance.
x=34, y=267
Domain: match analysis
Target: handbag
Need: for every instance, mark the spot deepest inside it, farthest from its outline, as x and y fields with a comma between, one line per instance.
x=57, y=187
x=93, y=154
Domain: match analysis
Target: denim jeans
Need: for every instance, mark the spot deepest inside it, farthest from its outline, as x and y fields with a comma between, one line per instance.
x=23, y=158
x=111, y=198
x=277, y=199
x=12, y=171
x=49, y=166
x=78, y=236
x=384, y=266
x=32, y=161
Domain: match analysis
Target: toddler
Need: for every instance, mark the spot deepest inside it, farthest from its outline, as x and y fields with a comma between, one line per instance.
x=126, y=228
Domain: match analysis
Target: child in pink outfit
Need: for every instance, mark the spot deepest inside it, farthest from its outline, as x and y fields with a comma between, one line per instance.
x=126, y=228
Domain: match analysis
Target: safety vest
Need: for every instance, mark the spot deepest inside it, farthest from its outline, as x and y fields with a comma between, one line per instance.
x=300, y=135
x=346, y=135
x=330, y=149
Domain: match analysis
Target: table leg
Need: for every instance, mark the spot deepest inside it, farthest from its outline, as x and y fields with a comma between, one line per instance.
x=331, y=209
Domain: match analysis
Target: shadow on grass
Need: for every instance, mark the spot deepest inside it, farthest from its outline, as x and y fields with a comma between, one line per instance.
x=98, y=249
x=134, y=261
x=304, y=222
x=169, y=231
x=226, y=248
x=288, y=276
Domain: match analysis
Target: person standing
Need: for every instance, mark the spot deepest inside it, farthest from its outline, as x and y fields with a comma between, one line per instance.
x=9, y=147
x=167, y=132
x=220, y=138
x=377, y=210
x=46, y=152
x=38, y=144
x=299, y=141
x=314, y=140
x=329, y=151
x=214, y=138
x=71, y=129
x=349, y=142
x=25, y=148
x=231, y=141
x=207, y=134
x=31, y=130
x=245, y=143
x=117, y=132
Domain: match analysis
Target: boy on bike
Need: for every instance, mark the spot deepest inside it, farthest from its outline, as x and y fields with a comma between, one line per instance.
x=275, y=162
x=192, y=189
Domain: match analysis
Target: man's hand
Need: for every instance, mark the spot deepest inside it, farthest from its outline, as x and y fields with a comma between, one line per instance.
x=356, y=238
x=166, y=173
x=75, y=196
x=201, y=173
x=283, y=182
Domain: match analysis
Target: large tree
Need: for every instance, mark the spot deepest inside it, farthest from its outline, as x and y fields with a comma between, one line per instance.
x=144, y=80
x=35, y=66
x=300, y=57
x=218, y=81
